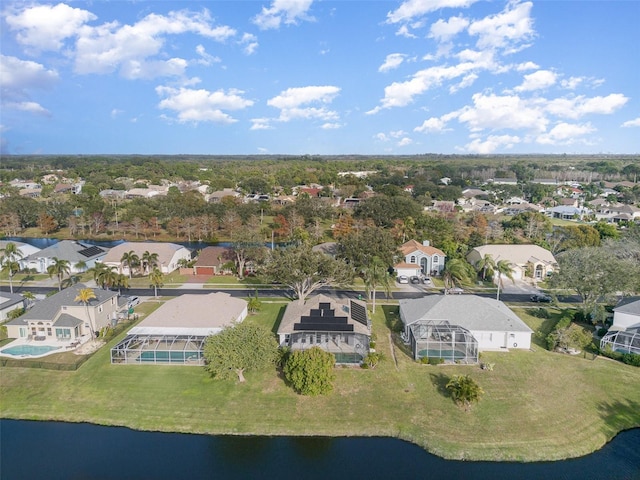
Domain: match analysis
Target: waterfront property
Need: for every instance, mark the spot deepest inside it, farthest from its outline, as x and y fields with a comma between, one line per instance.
x=10, y=302
x=458, y=328
x=62, y=319
x=169, y=256
x=341, y=327
x=175, y=333
x=624, y=334
x=81, y=256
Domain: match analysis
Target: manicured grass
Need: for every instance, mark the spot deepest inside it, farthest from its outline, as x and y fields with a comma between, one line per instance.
x=538, y=405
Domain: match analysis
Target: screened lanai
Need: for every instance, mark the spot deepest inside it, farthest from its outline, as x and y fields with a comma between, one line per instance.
x=440, y=339
x=149, y=348
x=623, y=341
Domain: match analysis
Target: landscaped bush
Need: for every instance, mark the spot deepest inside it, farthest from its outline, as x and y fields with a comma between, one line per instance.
x=602, y=332
x=540, y=312
x=435, y=360
x=424, y=360
x=628, y=358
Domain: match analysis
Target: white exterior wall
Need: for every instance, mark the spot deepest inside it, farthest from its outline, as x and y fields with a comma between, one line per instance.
x=497, y=340
x=625, y=320
x=173, y=263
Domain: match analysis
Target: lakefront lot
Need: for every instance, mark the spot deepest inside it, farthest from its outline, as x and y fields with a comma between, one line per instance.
x=538, y=405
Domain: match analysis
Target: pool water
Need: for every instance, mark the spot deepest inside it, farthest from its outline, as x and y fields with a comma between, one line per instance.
x=28, y=350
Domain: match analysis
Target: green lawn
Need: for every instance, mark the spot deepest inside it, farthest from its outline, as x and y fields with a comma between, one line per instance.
x=538, y=405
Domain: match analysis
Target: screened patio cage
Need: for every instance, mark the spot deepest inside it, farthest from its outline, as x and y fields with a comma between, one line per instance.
x=440, y=339
x=159, y=349
x=622, y=341
x=348, y=348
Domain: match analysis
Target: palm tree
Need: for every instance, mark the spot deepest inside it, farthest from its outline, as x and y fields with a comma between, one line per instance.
x=121, y=281
x=131, y=260
x=81, y=266
x=97, y=271
x=156, y=278
x=30, y=297
x=454, y=272
x=59, y=268
x=376, y=274
x=503, y=269
x=85, y=295
x=464, y=390
x=9, y=256
x=149, y=261
x=486, y=265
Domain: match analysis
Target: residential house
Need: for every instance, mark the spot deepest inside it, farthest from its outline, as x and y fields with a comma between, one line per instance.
x=25, y=249
x=176, y=332
x=420, y=259
x=524, y=259
x=458, y=328
x=81, y=256
x=626, y=314
x=624, y=334
x=217, y=196
x=169, y=255
x=61, y=317
x=566, y=212
x=210, y=261
x=444, y=206
x=341, y=327
x=618, y=212
x=328, y=248
x=10, y=302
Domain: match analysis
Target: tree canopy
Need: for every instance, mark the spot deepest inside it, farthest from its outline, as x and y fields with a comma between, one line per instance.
x=464, y=390
x=305, y=271
x=310, y=372
x=239, y=348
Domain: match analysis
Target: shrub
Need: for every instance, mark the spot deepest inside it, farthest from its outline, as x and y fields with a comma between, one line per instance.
x=602, y=332
x=310, y=372
x=435, y=360
x=540, y=313
x=424, y=360
x=631, y=359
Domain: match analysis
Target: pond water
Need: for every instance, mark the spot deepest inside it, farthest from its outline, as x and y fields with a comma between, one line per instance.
x=55, y=450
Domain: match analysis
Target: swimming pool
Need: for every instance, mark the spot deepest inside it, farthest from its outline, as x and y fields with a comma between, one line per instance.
x=28, y=350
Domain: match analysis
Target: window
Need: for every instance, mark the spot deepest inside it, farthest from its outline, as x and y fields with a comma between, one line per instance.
x=412, y=259
x=287, y=339
x=435, y=259
x=100, y=309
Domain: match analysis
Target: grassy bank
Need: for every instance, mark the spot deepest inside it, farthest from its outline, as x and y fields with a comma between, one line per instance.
x=538, y=405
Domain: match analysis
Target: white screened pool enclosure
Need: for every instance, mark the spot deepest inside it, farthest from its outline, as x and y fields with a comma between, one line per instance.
x=159, y=349
x=622, y=341
x=440, y=339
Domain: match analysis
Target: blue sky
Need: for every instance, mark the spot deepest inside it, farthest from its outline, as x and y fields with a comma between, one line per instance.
x=320, y=77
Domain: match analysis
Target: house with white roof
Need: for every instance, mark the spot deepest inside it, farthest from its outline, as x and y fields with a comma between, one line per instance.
x=458, y=328
x=169, y=255
x=176, y=332
x=10, y=302
x=25, y=249
x=522, y=258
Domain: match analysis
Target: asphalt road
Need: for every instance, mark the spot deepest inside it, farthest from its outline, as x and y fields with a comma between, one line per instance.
x=266, y=293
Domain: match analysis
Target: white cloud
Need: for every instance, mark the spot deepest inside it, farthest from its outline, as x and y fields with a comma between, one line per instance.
x=432, y=124
x=205, y=58
x=115, y=113
x=381, y=137
x=202, y=105
x=249, y=43
x=521, y=67
x=404, y=142
x=502, y=112
x=632, y=123
x=111, y=46
x=45, y=27
x=411, y=9
x=576, y=107
x=403, y=31
x=506, y=29
x=331, y=126
x=491, y=144
x=29, y=107
x=443, y=30
x=283, y=11
x=18, y=78
x=565, y=134
x=537, y=81
x=261, y=124
x=293, y=103
x=393, y=60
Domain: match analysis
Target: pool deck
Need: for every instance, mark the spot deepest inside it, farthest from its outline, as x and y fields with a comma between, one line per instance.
x=61, y=346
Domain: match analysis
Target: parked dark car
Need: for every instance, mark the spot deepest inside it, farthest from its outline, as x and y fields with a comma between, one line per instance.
x=540, y=298
x=414, y=279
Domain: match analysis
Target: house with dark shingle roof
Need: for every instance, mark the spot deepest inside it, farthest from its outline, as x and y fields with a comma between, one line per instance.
x=72, y=251
x=10, y=302
x=339, y=326
x=211, y=259
x=61, y=317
